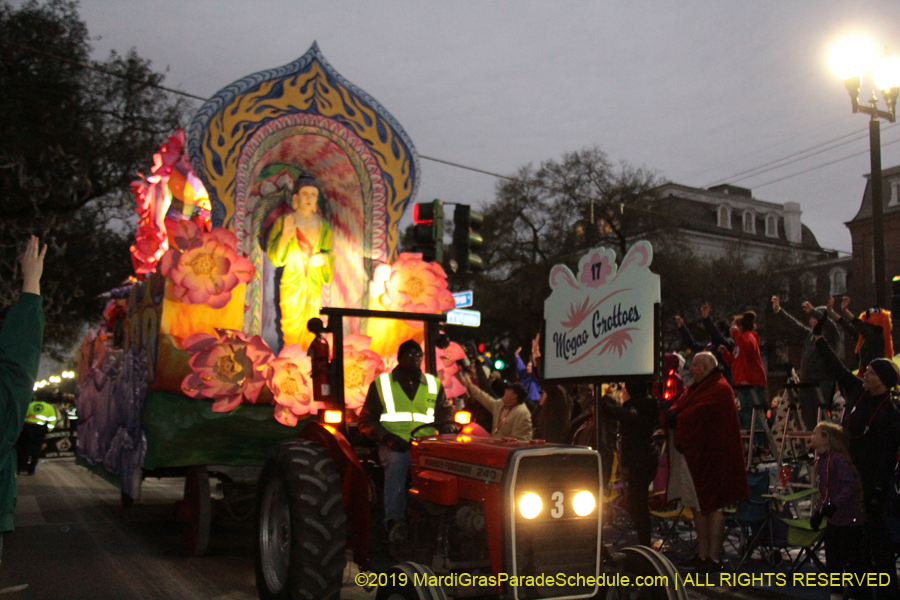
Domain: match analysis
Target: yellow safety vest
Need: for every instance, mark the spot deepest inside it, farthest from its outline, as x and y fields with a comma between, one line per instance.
x=41, y=413
x=401, y=415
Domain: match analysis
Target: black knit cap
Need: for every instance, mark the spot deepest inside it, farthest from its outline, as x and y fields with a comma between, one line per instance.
x=407, y=346
x=886, y=371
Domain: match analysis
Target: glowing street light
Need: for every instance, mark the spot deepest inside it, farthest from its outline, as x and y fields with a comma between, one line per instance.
x=850, y=59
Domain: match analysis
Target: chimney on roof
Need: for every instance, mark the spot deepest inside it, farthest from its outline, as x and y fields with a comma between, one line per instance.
x=792, y=228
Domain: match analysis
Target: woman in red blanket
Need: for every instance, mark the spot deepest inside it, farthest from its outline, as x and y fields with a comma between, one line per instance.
x=707, y=433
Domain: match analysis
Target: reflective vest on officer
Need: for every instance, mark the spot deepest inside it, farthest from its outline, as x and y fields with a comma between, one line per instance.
x=401, y=415
x=41, y=413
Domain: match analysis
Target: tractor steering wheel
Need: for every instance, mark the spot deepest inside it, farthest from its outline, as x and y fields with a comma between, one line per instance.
x=456, y=427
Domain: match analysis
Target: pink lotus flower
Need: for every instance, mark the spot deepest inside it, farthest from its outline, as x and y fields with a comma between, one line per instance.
x=171, y=176
x=360, y=366
x=291, y=384
x=228, y=369
x=447, y=369
x=148, y=248
x=389, y=364
x=416, y=286
x=206, y=267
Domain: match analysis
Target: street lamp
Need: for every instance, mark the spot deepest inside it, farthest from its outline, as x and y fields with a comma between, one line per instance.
x=850, y=59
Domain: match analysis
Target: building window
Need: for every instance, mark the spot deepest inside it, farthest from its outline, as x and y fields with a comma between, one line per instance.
x=772, y=226
x=784, y=290
x=808, y=285
x=749, y=222
x=895, y=200
x=838, y=279
x=724, y=217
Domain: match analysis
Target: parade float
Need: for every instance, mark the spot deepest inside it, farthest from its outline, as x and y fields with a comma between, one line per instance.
x=269, y=288
x=283, y=197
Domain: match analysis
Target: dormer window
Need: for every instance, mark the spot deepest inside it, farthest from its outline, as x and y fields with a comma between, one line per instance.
x=808, y=284
x=749, y=222
x=838, y=279
x=771, y=226
x=724, y=217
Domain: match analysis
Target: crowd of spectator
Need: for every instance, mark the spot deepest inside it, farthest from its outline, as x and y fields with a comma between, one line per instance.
x=702, y=411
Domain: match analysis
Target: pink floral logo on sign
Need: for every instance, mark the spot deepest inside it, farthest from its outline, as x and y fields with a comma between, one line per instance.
x=597, y=269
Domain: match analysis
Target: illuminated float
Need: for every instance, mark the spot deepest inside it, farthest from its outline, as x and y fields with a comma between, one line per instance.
x=284, y=196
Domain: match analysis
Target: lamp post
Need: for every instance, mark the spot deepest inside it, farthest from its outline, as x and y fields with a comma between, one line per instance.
x=851, y=59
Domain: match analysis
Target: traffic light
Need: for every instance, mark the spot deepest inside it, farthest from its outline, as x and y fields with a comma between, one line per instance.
x=428, y=235
x=466, y=239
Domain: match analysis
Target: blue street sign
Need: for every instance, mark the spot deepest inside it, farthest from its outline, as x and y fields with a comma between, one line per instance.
x=463, y=299
x=469, y=318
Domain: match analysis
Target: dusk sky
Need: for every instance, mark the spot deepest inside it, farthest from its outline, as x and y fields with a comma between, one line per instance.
x=698, y=91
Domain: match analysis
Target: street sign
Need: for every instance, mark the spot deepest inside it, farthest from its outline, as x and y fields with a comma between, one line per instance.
x=468, y=318
x=463, y=299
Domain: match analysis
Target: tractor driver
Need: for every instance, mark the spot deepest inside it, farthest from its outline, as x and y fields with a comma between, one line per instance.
x=397, y=403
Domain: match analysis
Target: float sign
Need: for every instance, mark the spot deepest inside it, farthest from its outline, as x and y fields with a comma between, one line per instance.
x=463, y=299
x=600, y=321
x=469, y=318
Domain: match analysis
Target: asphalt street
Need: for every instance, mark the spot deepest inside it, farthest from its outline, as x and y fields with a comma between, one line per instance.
x=73, y=540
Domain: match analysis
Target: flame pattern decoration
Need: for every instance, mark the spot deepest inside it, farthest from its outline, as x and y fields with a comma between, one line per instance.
x=220, y=132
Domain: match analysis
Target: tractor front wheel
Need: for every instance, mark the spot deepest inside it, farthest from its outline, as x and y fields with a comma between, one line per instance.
x=642, y=561
x=302, y=528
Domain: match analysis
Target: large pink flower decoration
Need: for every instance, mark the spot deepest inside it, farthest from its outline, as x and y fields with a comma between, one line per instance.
x=149, y=246
x=206, y=267
x=447, y=369
x=416, y=286
x=228, y=369
x=360, y=366
x=291, y=384
x=389, y=363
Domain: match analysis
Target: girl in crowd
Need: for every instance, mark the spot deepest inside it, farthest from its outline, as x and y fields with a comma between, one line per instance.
x=840, y=501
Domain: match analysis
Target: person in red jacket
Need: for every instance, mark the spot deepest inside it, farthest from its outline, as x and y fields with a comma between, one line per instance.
x=705, y=432
x=747, y=370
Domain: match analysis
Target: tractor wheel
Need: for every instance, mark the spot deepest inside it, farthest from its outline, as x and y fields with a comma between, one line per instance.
x=643, y=561
x=393, y=590
x=302, y=528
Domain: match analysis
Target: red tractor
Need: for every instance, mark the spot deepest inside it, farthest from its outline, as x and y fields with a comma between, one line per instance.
x=487, y=517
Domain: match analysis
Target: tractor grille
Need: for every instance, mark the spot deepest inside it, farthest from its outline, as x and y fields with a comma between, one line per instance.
x=557, y=542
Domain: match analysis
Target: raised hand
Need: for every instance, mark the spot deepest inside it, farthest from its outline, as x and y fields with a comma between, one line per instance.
x=845, y=302
x=679, y=321
x=776, y=303
x=807, y=307
x=33, y=266
x=704, y=310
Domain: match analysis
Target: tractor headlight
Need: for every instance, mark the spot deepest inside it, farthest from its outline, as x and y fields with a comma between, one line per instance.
x=583, y=503
x=530, y=505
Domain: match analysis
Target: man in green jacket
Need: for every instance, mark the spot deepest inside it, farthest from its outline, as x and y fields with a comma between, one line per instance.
x=20, y=351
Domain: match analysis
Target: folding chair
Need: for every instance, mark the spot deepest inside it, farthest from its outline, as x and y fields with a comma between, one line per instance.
x=749, y=520
x=669, y=525
x=795, y=516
